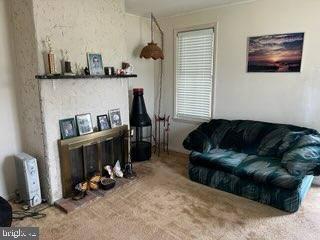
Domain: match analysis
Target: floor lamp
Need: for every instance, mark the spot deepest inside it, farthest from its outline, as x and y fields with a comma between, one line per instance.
x=152, y=50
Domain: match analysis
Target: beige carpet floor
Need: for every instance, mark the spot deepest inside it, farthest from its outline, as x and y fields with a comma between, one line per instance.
x=164, y=204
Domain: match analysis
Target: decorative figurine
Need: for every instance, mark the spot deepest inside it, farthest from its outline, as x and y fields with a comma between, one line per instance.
x=51, y=58
x=79, y=69
x=108, y=168
x=120, y=72
x=86, y=71
x=127, y=68
x=117, y=170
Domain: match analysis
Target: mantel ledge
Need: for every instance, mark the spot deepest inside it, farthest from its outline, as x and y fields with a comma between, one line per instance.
x=60, y=77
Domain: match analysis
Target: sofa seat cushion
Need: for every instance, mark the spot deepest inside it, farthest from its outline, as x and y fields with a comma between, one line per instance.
x=263, y=170
x=267, y=170
x=226, y=160
x=285, y=199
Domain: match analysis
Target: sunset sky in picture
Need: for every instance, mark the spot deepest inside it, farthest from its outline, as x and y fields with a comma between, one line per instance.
x=271, y=49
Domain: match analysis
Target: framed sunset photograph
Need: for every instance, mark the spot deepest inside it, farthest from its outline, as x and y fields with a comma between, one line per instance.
x=275, y=53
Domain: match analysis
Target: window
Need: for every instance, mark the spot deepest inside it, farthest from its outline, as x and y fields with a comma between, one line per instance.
x=194, y=74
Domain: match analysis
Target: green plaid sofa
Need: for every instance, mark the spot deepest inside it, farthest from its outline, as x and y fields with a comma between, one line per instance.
x=270, y=163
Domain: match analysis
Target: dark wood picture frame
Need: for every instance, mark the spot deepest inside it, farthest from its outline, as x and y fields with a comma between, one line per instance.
x=65, y=133
x=106, y=122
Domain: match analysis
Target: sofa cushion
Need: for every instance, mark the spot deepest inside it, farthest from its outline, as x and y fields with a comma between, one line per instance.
x=226, y=160
x=270, y=144
x=286, y=199
x=205, y=137
x=266, y=170
x=198, y=141
x=289, y=141
x=304, y=158
x=256, y=138
x=260, y=169
x=250, y=137
x=243, y=136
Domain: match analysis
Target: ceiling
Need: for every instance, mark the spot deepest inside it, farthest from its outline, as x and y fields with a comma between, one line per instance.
x=163, y=8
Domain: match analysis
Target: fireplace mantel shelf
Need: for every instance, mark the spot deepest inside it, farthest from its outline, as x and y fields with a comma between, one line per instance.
x=48, y=77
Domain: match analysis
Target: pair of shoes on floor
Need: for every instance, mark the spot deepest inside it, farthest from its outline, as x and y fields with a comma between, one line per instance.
x=82, y=188
x=94, y=182
x=80, y=191
x=115, y=171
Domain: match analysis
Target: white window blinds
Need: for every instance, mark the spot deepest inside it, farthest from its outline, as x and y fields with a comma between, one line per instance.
x=194, y=74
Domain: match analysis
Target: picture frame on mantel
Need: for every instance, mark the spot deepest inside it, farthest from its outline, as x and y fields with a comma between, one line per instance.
x=95, y=64
x=84, y=124
x=68, y=128
x=103, y=122
x=115, y=117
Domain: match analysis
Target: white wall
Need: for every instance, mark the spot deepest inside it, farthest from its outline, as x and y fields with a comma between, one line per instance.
x=81, y=26
x=276, y=97
x=9, y=127
x=137, y=36
x=26, y=62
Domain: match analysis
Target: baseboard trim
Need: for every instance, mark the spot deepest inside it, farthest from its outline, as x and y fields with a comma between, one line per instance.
x=9, y=197
x=172, y=153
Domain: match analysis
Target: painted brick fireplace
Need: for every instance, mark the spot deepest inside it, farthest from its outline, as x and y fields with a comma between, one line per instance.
x=83, y=157
x=44, y=102
x=64, y=98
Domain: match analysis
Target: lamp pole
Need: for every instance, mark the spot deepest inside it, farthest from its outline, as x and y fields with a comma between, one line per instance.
x=153, y=19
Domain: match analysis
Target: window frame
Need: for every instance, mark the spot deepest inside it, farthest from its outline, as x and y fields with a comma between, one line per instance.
x=214, y=70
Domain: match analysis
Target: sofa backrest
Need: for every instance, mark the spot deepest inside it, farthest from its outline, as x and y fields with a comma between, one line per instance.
x=252, y=137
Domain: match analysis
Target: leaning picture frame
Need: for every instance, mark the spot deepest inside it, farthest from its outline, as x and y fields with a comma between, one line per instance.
x=115, y=117
x=103, y=122
x=84, y=124
x=67, y=128
x=95, y=64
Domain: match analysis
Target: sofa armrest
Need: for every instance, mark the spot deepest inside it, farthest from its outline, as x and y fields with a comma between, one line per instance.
x=197, y=141
x=302, y=161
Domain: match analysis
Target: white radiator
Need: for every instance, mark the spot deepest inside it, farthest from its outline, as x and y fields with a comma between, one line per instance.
x=28, y=179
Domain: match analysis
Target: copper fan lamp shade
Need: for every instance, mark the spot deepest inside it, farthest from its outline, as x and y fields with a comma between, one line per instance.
x=152, y=50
